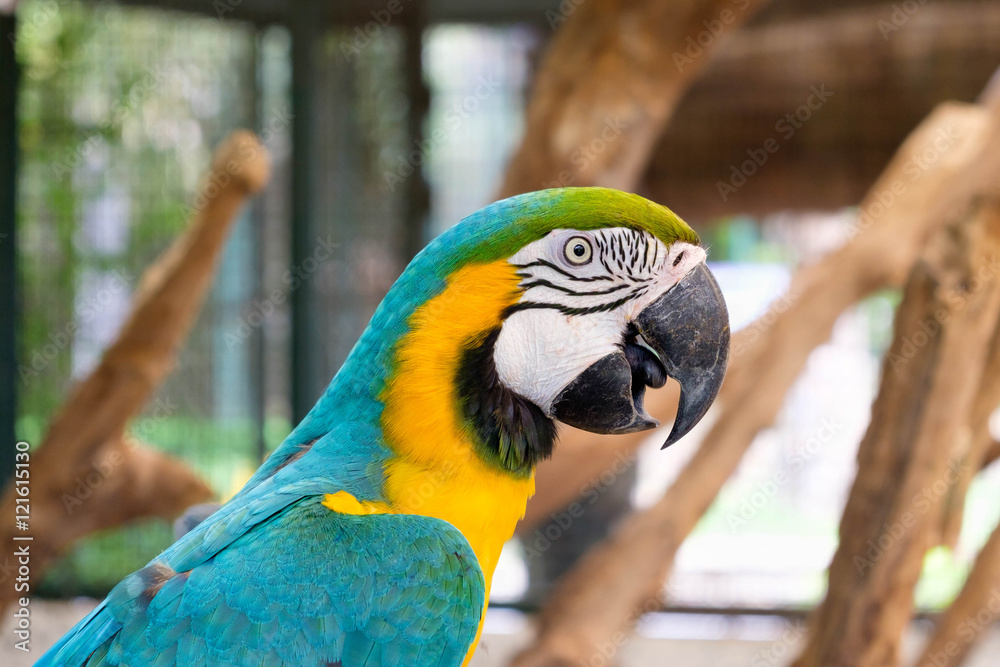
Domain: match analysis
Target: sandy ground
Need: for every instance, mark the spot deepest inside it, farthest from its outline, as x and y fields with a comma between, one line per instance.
x=506, y=632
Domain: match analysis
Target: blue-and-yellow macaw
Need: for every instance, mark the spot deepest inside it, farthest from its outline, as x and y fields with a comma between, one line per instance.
x=370, y=536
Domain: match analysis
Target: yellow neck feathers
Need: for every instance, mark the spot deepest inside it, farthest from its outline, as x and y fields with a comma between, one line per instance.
x=436, y=471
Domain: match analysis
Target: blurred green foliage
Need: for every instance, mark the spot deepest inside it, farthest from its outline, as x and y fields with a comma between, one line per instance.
x=118, y=111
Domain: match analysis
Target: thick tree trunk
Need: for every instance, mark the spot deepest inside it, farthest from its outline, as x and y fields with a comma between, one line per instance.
x=977, y=606
x=972, y=453
x=638, y=56
x=597, y=601
x=906, y=463
x=84, y=476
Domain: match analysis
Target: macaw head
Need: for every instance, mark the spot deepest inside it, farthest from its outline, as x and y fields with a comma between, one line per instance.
x=559, y=305
x=609, y=308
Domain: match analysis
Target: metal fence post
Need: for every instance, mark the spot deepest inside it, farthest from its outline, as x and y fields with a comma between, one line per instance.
x=306, y=29
x=9, y=77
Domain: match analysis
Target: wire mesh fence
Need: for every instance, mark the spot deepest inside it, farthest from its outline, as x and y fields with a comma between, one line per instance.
x=119, y=109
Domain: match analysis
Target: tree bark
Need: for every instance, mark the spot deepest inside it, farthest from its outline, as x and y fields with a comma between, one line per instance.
x=596, y=602
x=638, y=56
x=973, y=453
x=906, y=465
x=84, y=476
x=977, y=606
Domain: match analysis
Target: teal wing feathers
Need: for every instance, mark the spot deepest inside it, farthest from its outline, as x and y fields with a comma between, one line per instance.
x=305, y=587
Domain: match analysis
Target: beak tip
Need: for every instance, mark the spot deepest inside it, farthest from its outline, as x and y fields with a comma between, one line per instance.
x=671, y=439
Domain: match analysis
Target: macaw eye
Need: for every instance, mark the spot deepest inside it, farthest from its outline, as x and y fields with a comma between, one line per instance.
x=578, y=251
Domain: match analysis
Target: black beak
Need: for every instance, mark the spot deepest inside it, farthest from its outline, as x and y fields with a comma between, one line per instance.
x=683, y=334
x=688, y=328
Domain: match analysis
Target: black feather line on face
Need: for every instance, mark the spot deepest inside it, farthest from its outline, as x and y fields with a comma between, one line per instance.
x=541, y=282
x=550, y=265
x=566, y=310
x=637, y=246
x=511, y=431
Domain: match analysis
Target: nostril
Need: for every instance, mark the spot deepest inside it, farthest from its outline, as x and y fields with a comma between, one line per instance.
x=679, y=258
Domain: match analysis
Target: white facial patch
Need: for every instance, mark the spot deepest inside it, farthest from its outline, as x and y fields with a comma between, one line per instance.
x=581, y=291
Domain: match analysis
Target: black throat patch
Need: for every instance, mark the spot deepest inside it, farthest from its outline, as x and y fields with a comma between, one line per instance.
x=512, y=432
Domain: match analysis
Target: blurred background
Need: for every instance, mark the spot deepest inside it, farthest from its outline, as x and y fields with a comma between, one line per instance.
x=386, y=124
